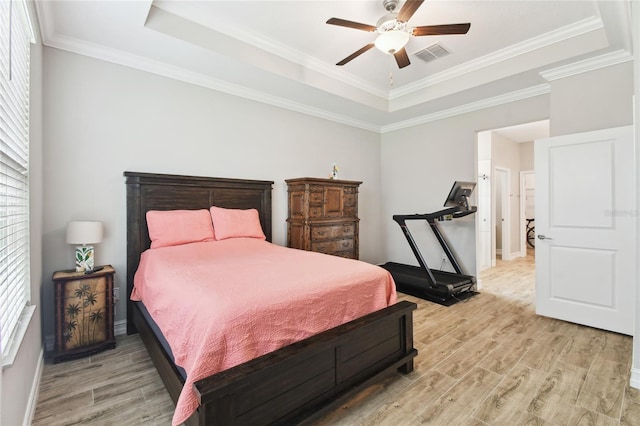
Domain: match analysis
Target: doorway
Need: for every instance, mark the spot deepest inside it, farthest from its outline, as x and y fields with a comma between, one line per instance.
x=506, y=154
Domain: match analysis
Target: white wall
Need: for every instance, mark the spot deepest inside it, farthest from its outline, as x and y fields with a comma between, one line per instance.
x=102, y=119
x=419, y=165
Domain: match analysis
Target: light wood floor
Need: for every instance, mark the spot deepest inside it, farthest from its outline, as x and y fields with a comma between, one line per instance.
x=486, y=361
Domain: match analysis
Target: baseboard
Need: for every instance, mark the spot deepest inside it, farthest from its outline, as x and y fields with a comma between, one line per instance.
x=35, y=389
x=49, y=343
x=119, y=329
x=634, y=380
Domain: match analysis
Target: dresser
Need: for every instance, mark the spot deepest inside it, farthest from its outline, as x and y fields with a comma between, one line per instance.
x=323, y=216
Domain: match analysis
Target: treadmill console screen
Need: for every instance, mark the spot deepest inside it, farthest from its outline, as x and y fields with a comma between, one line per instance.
x=459, y=195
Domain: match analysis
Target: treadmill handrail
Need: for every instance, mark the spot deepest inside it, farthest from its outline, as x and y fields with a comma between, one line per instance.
x=431, y=279
x=401, y=218
x=432, y=219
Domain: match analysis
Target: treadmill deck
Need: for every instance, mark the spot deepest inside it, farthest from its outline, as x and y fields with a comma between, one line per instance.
x=449, y=289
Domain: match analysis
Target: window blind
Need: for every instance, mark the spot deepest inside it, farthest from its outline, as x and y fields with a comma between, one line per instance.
x=15, y=37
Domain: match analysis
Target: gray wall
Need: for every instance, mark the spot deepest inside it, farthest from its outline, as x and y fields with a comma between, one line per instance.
x=102, y=119
x=526, y=156
x=505, y=153
x=419, y=165
x=593, y=100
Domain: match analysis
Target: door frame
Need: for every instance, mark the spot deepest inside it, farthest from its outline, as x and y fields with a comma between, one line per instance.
x=523, y=213
x=503, y=175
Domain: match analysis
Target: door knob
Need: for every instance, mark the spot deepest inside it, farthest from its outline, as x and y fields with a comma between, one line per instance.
x=543, y=237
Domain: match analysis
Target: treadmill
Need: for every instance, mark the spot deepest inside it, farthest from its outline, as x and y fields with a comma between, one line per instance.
x=443, y=287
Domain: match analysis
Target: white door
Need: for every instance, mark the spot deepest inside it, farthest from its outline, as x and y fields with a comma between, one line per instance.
x=585, y=227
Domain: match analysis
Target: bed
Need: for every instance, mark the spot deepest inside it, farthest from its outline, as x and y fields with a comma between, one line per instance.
x=294, y=384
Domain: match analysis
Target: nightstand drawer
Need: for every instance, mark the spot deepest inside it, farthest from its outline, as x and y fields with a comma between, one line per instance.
x=332, y=246
x=332, y=231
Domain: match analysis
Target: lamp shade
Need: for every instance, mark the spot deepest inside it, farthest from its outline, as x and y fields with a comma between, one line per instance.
x=84, y=232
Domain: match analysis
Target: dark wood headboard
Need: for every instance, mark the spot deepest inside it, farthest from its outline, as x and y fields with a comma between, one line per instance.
x=149, y=191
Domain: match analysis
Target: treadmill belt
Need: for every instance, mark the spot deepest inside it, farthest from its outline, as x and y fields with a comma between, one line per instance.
x=450, y=288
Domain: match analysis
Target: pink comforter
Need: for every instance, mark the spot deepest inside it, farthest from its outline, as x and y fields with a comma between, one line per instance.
x=222, y=303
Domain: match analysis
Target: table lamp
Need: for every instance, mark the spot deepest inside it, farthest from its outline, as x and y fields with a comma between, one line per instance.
x=84, y=232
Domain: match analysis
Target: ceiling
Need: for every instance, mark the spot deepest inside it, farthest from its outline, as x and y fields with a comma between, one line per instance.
x=283, y=53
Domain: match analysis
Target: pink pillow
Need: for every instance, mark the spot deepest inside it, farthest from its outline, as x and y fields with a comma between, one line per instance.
x=236, y=223
x=175, y=227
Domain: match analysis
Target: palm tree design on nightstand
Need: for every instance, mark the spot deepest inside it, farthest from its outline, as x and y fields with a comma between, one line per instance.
x=80, y=328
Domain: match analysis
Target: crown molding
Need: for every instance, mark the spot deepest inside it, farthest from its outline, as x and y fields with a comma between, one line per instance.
x=44, y=16
x=279, y=49
x=300, y=58
x=544, y=40
x=51, y=39
x=160, y=68
x=541, y=89
x=155, y=67
x=586, y=65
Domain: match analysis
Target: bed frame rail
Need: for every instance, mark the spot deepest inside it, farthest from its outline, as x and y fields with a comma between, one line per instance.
x=303, y=381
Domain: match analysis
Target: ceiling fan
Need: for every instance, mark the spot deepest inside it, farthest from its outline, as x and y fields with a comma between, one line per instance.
x=394, y=32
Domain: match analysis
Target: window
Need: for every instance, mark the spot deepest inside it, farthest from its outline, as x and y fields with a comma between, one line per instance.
x=15, y=38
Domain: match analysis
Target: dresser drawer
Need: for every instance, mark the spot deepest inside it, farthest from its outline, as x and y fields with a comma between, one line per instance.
x=350, y=254
x=332, y=246
x=330, y=232
x=349, y=211
x=349, y=200
x=315, y=198
x=315, y=211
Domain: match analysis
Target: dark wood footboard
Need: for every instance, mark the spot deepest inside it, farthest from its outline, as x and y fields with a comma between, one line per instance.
x=304, y=380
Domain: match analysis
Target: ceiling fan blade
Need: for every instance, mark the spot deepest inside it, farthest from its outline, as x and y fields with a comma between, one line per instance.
x=408, y=9
x=355, y=54
x=440, y=29
x=402, y=58
x=351, y=24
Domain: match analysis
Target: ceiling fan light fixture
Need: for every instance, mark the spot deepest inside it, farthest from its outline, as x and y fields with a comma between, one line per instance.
x=392, y=41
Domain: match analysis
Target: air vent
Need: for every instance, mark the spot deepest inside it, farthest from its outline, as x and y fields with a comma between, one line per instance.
x=433, y=52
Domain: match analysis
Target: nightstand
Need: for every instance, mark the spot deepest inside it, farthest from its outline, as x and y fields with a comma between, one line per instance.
x=84, y=312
